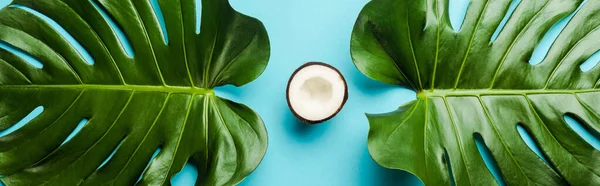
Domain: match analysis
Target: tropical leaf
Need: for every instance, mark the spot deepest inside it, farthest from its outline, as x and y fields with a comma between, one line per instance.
x=156, y=98
x=472, y=85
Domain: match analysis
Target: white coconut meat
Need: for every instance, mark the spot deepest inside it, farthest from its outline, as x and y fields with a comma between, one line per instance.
x=316, y=92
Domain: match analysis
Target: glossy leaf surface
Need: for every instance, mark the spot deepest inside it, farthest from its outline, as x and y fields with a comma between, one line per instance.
x=155, y=98
x=473, y=85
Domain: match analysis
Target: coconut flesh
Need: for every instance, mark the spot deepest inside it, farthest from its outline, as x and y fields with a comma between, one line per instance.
x=316, y=92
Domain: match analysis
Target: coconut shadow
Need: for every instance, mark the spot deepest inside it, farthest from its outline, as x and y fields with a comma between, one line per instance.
x=303, y=132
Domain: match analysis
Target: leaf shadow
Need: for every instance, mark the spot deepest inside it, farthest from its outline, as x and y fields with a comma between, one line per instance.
x=367, y=85
x=381, y=176
x=230, y=92
x=375, y=96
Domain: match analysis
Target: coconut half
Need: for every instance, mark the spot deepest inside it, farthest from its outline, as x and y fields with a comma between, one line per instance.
x=316, y=92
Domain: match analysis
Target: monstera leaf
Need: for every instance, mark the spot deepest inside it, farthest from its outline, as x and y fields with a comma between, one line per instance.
x=473, y=85
x=156, y=99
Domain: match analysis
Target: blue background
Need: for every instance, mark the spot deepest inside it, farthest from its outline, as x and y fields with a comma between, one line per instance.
x=334, y=152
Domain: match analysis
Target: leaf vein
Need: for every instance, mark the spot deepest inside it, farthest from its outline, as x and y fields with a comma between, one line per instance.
x=512, y=44
x=552, y=135
x=425, y=135
x=437, y=45
x=147, y=37
x=205, y=128
x=247, y=122
x=59, y=117
x=458, y=139
x=393, y=60
x=404, y=121
x=460, y=71
x=112, y=59
x=222, y=119
x=231, y=62
x=185, y=121
x=97, y=141
x=566, y=55
x=15, y=69
x=183, y=41
x=143, y=139
x=487, y=114
x=212, y=52
x=412, y=50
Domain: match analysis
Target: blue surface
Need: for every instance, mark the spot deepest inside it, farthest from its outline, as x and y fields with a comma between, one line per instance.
x=120, y=35
x=530, y=143
x=591, y=62
x=511, y=10
x=591, y=137
x=489, y=161
x=458, y=11
x=159, y=16
x=80, y=125
x=335, y=152
x=150, y=161
x=23, y=55
x=541, y=50
x=34, y=113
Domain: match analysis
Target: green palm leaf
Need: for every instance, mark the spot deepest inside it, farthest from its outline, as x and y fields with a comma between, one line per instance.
x=157, y=98
x=472, y=85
